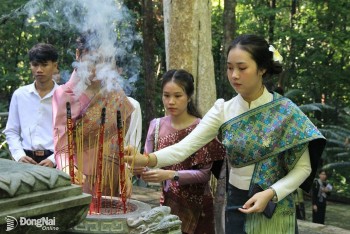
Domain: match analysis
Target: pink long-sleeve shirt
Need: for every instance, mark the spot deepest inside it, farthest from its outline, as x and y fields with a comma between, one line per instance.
x=186, y=176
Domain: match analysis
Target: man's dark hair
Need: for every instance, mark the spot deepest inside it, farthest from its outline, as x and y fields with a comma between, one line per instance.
x=43, y=52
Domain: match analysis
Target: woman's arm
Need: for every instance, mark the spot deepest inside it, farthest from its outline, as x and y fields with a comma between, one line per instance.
x=205, y=131
x=195, y=176
x=185, y=176
x=282, y=187
x=61, y=96
x=149, y=142
x=294, y=178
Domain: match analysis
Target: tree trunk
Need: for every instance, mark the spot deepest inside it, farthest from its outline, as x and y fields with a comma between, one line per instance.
x=148, y=60
x=272, y=18
x=292, y=70
x=188, y=44
x=229, y=25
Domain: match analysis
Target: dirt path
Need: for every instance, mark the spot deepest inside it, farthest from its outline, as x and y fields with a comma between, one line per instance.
x=337, y=214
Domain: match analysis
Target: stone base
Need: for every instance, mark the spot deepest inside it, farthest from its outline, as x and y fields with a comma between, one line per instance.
x=49, y=211
x=306, y=227
x=110, y=223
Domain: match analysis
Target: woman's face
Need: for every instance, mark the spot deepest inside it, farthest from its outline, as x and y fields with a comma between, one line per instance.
x=243, y=74
x=89, y=61
x=175, y=99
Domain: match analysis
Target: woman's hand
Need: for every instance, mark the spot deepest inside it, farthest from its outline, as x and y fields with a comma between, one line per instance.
x=133, y=157
x=157, y=175
x=138, y=170
x=314, y=207
x=258, y=202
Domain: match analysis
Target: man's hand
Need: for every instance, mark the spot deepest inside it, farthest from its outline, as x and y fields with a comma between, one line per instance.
x=27, y=159
x=46, y=163
x=314, y=207
x=258, y=202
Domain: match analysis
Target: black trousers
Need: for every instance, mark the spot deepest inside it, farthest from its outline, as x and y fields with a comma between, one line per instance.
x=319, y=216
x=300, y=211
x=234, y=219
x=38, y=155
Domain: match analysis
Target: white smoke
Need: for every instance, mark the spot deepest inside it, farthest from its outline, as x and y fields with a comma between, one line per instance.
x=113, y=37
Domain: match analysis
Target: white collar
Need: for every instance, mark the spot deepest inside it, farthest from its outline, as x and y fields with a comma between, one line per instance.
x=263, y=99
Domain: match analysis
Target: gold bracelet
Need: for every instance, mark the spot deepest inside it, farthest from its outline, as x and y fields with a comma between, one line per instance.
x=148, y=159
x=155, y=161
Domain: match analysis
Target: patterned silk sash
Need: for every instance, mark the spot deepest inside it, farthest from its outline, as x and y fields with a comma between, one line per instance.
x=266, y=131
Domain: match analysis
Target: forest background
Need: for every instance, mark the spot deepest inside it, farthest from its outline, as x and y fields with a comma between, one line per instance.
x=313, y=37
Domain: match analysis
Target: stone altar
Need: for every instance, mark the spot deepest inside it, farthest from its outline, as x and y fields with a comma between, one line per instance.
x=37, y=199
x=141, y=220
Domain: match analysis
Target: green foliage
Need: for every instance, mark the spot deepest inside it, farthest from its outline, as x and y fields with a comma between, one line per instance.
x=17, y=36
x=4, y=151
x=340, y=183
x=314, y=43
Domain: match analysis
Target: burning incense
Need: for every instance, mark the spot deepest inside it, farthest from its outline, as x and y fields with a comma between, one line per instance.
x=121, y=160
x=99, y=160
x=70, y=142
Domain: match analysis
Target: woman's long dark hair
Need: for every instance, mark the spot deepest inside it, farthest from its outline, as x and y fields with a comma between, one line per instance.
x=185, y=80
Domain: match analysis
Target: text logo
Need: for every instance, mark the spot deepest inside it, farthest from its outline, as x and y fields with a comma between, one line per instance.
x=11, y=223
x=43, y=223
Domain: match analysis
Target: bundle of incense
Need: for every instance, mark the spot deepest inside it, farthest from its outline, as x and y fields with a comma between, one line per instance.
x=70, y=142
x=98, y=187
x=121, y=160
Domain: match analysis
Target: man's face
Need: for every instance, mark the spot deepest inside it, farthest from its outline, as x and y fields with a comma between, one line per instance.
x=43, y=71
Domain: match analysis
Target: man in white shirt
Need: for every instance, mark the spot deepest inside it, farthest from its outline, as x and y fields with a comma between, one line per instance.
x=29, y=131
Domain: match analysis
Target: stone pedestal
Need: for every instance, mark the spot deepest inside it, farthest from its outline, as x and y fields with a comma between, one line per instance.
x=36, y=199
x=140, y=219
x=115, y=223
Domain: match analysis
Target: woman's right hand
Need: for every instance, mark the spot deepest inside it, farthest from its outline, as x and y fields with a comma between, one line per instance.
x=314, y=207
x=258, y=202
x=134, y=158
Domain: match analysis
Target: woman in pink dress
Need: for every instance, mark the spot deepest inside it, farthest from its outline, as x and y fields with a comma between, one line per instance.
x=185, y=185
x=87, y=96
